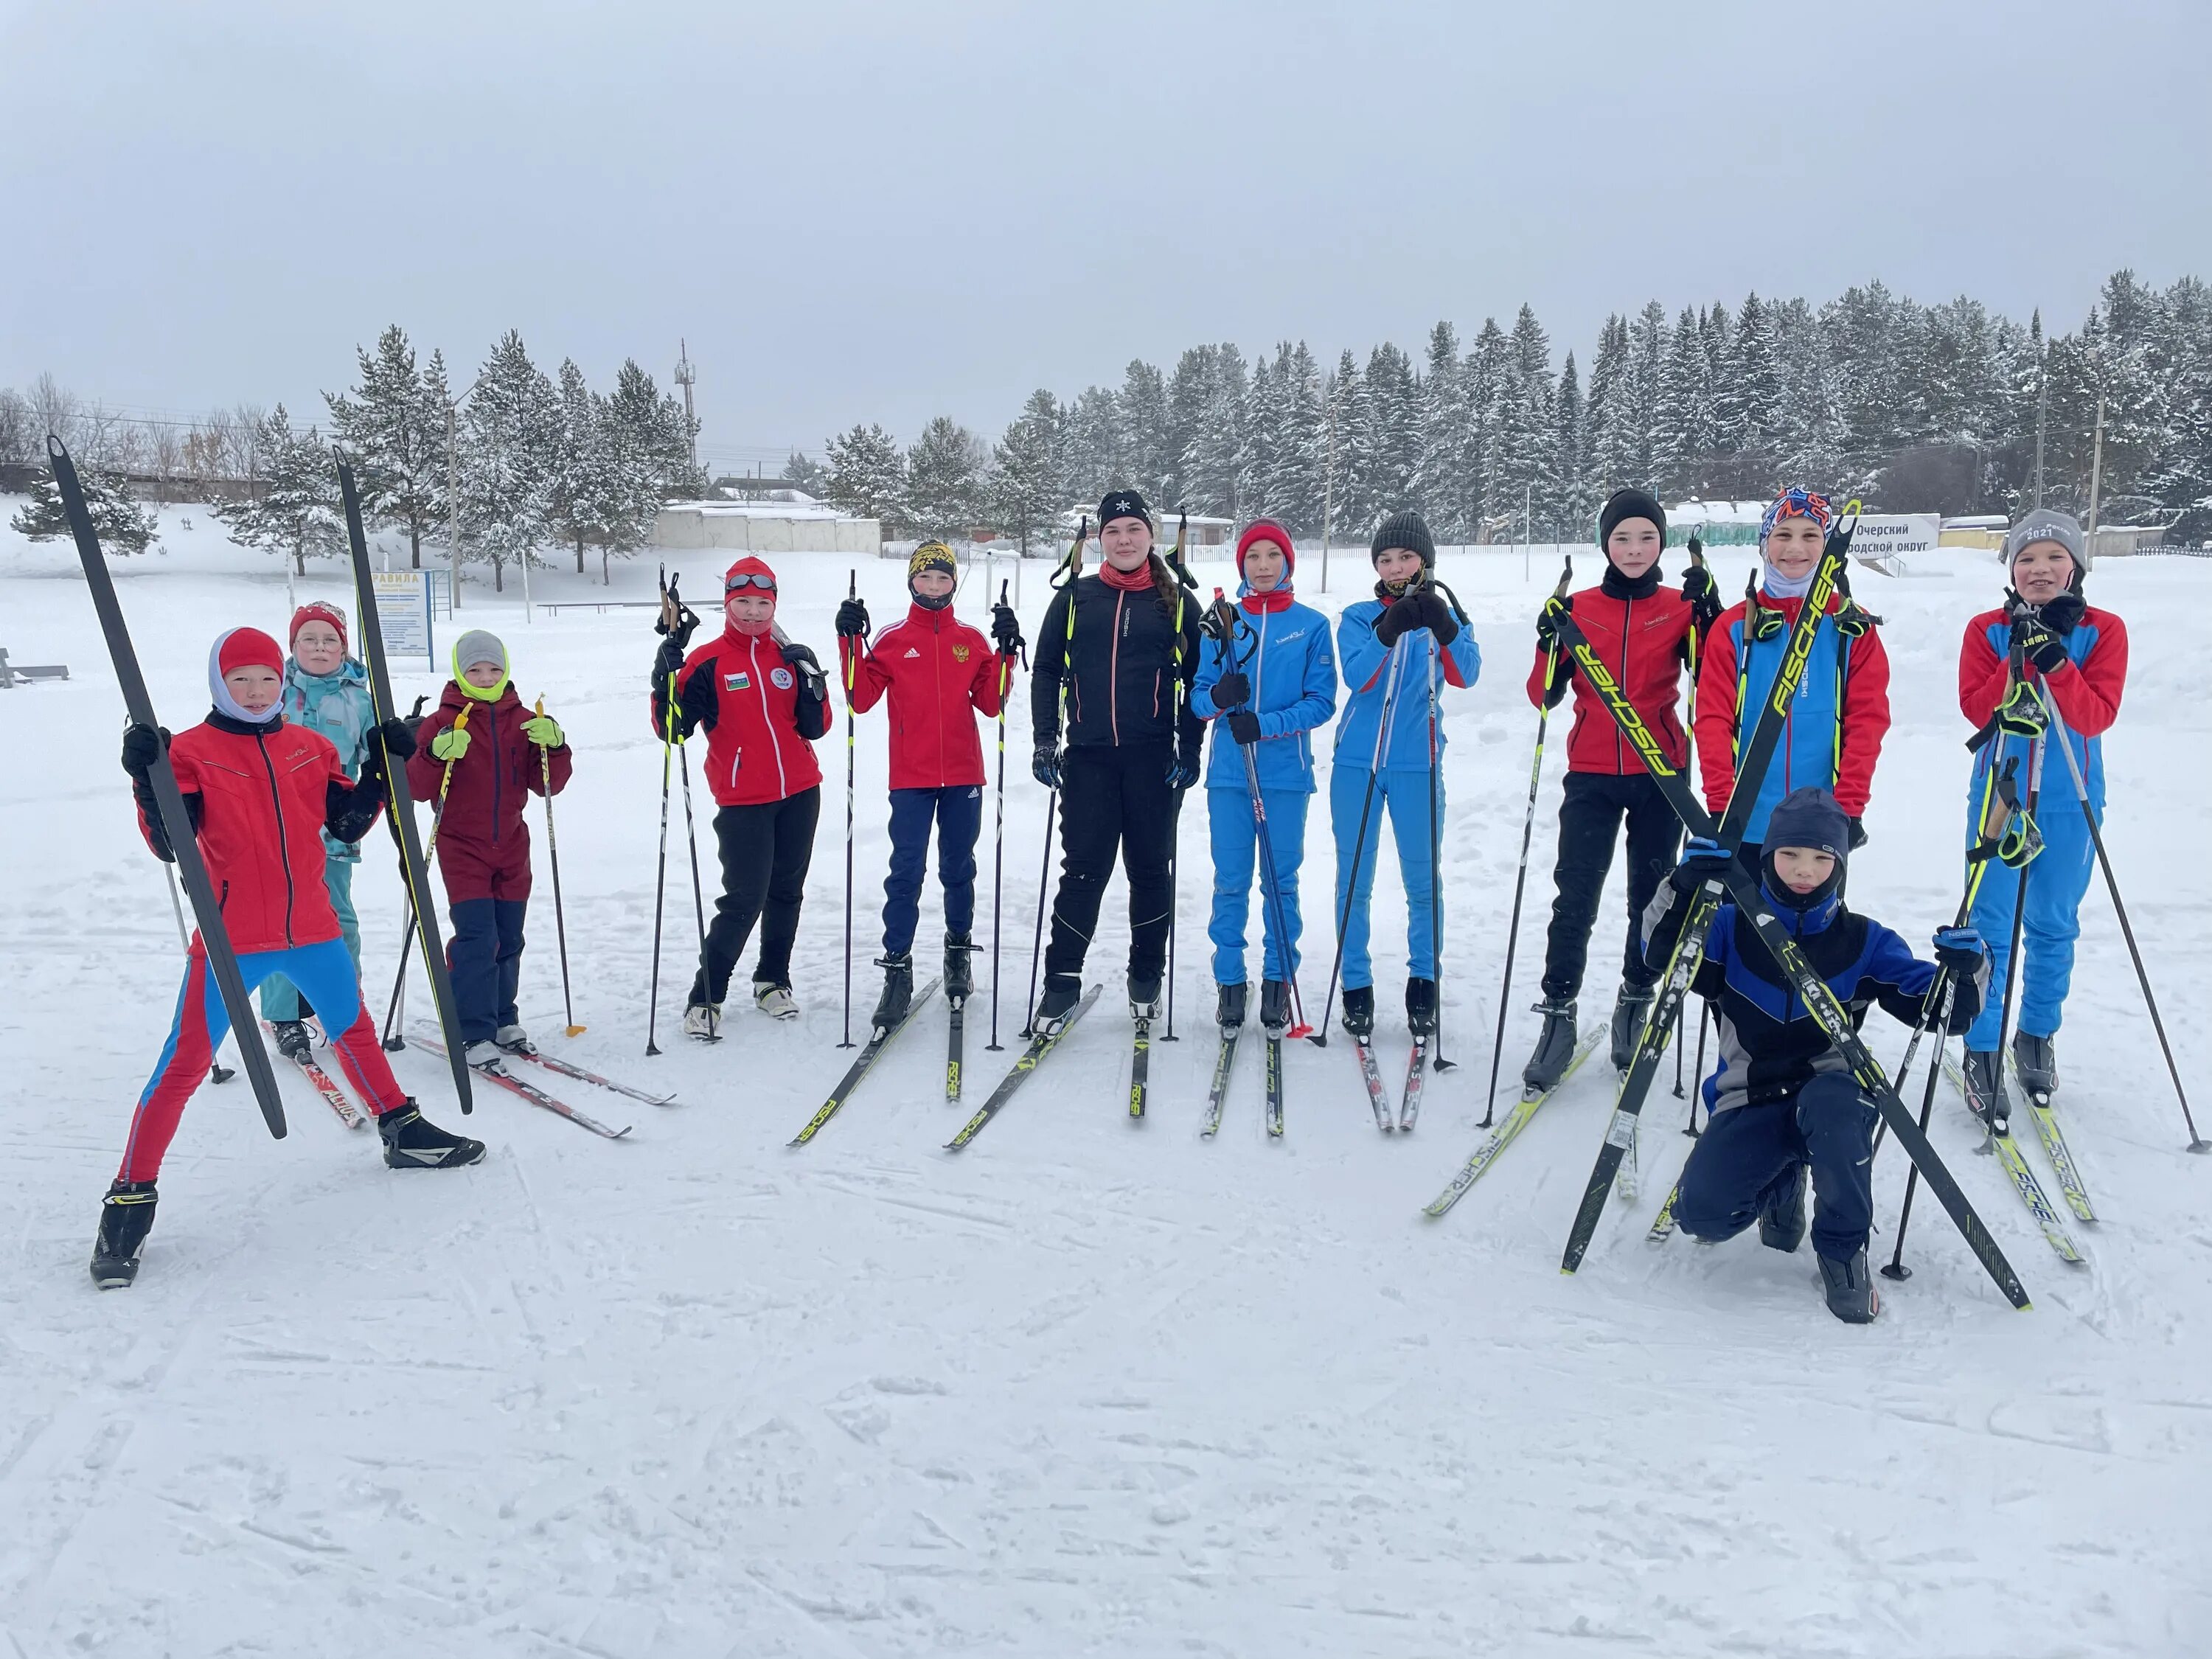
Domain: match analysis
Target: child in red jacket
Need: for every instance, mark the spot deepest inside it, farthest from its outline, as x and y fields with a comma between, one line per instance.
x=940, y=674
x=1645, y=634
x=483, y=754
x=763, y=700
x=260, y=792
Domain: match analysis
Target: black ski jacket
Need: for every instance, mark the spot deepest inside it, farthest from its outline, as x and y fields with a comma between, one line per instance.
x=1122, y=666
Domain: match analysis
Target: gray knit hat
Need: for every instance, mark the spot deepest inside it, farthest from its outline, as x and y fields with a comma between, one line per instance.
x=1407, y=530
x=2043, y=525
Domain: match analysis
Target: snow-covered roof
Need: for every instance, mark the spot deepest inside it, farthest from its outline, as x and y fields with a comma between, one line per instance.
x=787, y=509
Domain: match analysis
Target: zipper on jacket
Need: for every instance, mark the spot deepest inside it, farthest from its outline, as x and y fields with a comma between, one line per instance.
x=1114, y=670
x=937, y=665
x=492, y=715
x=1619, y=744
x=284, y=847
x=767, y=716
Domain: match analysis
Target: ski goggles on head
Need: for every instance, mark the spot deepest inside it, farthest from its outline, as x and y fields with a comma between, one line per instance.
x=1796, y=504
x=738, y=583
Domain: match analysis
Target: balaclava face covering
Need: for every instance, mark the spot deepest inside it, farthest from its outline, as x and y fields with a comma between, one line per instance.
x=932, y=556
x=243, y=648
x=479, y=645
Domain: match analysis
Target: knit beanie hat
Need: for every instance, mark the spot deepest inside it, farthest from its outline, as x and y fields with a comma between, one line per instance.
x=1809, y=817
x=479, y=645
x=930, y=555
x=243, y=648
x=1267, y=530
x=2045, y=524
x=1626, y=504
x=1408, y=531
x=316, y=610
x=1123, y=504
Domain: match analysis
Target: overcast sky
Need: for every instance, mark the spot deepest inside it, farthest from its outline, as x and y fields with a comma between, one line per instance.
x=885, y=211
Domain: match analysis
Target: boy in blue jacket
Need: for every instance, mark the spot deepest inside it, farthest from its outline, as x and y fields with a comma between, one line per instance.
x=1783, y=1103
x=1271, y=681
x=1398, y=650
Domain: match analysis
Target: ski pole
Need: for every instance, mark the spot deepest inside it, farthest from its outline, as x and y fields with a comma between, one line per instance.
x=1037, y=945
x=2036, y=747
x=2196, y=1142
x=1174, y=893
x=1436, y=860
x=1527, y=830
x=1705, y=1018
x=553, y=856
x=217, y=1072
x=671, y=617
x=691, y=835
x=393, y=1039
x=998, y=832
x=1320, y=1037
x=852, y=658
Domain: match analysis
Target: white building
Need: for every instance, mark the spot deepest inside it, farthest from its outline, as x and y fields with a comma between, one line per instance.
x=796, y=524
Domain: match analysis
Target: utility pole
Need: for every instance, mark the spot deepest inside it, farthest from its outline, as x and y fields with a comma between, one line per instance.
x=2042, y=413
x=1328, y=495
x=453, y=507
x=1528, y=526
x=2096, y=473
x=685, y=374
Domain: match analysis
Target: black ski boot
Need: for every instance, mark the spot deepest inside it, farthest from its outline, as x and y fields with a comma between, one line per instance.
x=1983, y=1074
x=1555, y=1047
x=411, y=1141
x=1359, y=1012
x=1274, y=1008
x=1144, y=994
x=1061, y=992
x=2035, y=1062
x=959, y=975
x=1851, y=1291
x=126, y=1216
x=1229, y=1007
x=1421, y=1006
x=292, y=1040
x=1782, y=1215
x=898, y=989
x=1629, y=1014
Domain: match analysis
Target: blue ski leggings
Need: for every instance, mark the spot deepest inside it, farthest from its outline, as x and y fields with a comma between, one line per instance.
x=2057, y=882
x=1403, y=798
x=280, y=998
x=1237, y=867
x=958, y=811
x=1749, y=1155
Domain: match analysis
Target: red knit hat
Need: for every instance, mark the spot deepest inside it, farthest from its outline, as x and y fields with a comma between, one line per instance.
x=316, y=610
x=248, y=648
x=1267, y=530
x=750, y=567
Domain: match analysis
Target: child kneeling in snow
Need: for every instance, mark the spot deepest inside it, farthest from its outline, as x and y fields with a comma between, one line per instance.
x=1783, y=1102
x=260, y=793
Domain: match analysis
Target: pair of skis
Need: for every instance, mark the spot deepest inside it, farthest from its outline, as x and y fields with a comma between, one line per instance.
x=1370, y=1077
x=2014, y=1162
x=1224, y=1061
x=1506, y=1134
x=878, y=1040
x=497, y=1071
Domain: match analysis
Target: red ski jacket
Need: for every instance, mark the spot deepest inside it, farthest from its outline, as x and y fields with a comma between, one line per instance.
x=757, y=750
x=260, y=798
x=493, y=781
x=940, y=674
x=1645, y=644
x=2086, y=689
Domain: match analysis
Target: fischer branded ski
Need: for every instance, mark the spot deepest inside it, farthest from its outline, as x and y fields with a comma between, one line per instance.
x=1023, y=1068
x=399, y=801
x=1417, y=1068
x=1275, y=1085
x=878, y=1040
x=1662, y=1224
x=325, y=1085
x=2014, y=1164
x=1507, y=1132
x=955, y=1043
x=1630, y=1181
x=497, y=1072
x=1217, y=1092
x=2054, y=1146
x=569, y=1068
x=169, y=800
x=1370, y=1074
x=1140, y=1068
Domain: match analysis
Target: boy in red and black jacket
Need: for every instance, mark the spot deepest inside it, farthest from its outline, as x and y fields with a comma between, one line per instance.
x=483, y=755
x=260, y=791
x=1647, y=636
x=940, y=674
x=763, y=700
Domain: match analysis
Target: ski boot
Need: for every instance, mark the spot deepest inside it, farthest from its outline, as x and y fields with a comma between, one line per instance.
x=1851, y=1291
x=411, y=1141
x=1983, y=1074
x=1229, y=1008
x=1274, y=1008
x=485, y=1056
x=1061, y=992
x=898, y=989
x=2035, y=1063
x=1421, y=1006
x=774, y=1000
x=292, y=1040
x=126, y=1216
x=703, y=1021
x=1782, y=1213
x=1629, y=1014
x=513, y=1039
x=1145, y=994
x=1555, y=1047
x=959, y=975
x=1359, y=1012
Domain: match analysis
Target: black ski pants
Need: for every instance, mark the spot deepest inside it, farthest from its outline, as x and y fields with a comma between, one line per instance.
x=765, y=851
x=1591, y=812
x=1113, y=797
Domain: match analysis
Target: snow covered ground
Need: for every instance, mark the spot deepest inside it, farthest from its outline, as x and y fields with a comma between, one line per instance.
x=1090, y=1388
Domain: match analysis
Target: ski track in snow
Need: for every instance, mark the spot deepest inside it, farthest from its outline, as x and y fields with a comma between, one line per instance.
x=1089, y=1388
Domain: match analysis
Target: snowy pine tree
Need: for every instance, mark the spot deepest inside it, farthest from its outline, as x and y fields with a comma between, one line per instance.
x=1025, y=490
x=944, y=481
x=509, y=443
x=1612, y=454
x=296, y=514
x=392, y=427
x=1148, y=451
x=1091, y=444
x=1486, y=376
x=1294, y=493
x=1683, y=447
x=123, y=524
x=1573, y=507
x=1443, y=420
x=867, y=477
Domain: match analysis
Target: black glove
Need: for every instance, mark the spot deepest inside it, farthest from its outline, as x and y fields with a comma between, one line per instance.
x=2038, y=645
x=1555, y=610
x=399, y=738
x=1044, y=765
x=1696, y=546
x=1960, y=950
x=1859, y=834
x=669, y=660
x=1231, y=690
x=680, y=635
x=1437, y=616
x=815, y=682
x=1182, y=770
x=1401, y=615
x=1006, y=630
x=2062, y=614
x=142, y=747
x=1703, y=860
x=697, y=699
x=1703, y=593
x=1244, y=726
x=852, y=619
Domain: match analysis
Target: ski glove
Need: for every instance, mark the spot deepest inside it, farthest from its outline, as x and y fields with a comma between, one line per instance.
x=1231, y=690
x=1006, y=630
x=142, y=747
x=1702, y=591
x=544, y=731
x=812, y=682
x=1183, y=771
x=1044, y=765
x=1436, y=615
x=1859, y=834
x=2035, y=640
x=398, y=737
x=1555, y=609
x=1244, y=726
x=1400, y=616
x=668, y=660
x=2061, y=614
x=1703, y=859
x=852, y=619
x=450, y=745
x=1960, y=950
